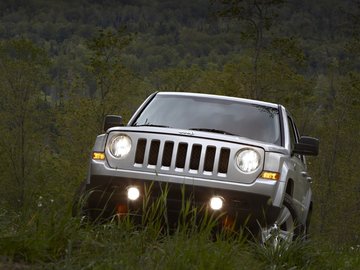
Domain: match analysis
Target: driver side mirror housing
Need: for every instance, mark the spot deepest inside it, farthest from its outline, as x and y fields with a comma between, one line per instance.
x=307, y=146
x=112, y=121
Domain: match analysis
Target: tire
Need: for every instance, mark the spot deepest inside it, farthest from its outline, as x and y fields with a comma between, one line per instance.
x=286, y=226
x=308, y=221
x=78, y=203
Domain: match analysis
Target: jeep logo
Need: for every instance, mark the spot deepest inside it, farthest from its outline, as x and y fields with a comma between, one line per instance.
x=187, y=133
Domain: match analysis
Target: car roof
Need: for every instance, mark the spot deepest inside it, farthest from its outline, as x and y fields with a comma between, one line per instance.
x=211, y=96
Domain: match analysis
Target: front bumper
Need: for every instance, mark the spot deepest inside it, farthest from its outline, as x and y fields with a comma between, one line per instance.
x=108, y=196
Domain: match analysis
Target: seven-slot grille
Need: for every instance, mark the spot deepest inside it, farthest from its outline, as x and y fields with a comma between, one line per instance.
x=182, y=156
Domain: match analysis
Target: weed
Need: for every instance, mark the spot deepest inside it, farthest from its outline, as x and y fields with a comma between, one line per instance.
x=296, y=254
x=49, y=237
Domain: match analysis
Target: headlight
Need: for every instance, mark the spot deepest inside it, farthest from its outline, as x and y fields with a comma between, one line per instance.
x=248, y=160
x=120, y=146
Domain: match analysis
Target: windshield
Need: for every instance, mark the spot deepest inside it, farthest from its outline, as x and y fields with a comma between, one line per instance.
x=214, y=115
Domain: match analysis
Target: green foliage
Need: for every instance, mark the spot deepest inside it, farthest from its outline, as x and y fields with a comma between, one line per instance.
x=80, y=115
x=286, y=255
x=23, y=114
x=41, y=232
x=45, y=236
x=340, y=122
x=109, y=73
x=175, y=79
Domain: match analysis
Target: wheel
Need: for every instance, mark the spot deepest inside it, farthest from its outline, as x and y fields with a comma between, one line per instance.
x=77, y=205
x=308, y=220
x=286, y=226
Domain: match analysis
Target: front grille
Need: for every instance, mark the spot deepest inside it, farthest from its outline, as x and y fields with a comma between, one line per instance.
x=195, y=157
x=224, y=160
x=154, y=152
x=140, y=151
x=182, y=156
x=209, y=158
x=167, y=154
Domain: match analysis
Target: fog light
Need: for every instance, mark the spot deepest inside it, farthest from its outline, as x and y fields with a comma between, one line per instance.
x=216, y=203
x=133, y=193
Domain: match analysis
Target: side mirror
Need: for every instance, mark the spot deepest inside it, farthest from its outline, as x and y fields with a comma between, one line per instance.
x=307, y=146
x=112, y=121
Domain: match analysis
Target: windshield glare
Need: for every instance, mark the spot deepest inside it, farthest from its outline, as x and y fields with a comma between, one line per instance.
x=211, y=114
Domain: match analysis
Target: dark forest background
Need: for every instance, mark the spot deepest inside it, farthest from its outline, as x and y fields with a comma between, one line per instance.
x=66, y=64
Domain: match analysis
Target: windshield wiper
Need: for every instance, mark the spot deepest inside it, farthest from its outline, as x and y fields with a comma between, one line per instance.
x=151, y=125
x=212, y=130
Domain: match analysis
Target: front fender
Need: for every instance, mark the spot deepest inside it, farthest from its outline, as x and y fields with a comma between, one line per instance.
x=281, y=190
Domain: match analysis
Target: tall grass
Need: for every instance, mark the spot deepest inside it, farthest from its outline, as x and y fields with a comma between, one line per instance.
x=48, y=237
x=37, y=234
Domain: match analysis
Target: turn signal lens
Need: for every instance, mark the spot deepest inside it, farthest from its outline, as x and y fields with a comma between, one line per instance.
x=98, y=156
x=270, y=175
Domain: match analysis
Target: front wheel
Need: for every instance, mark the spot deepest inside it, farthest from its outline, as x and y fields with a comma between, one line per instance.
x=286, y=226
x=79, y=200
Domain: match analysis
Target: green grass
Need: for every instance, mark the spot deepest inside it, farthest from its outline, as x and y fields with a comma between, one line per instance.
x=47, y=237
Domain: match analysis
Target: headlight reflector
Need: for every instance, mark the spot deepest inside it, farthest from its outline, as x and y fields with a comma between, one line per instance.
x=248, y=160
x=120, y=146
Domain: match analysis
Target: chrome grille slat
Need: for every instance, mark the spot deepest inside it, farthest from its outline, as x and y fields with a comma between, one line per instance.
x=202, y=159
x=216, y=161
x=187, y=159
x=174, y=154
x=147, y=150
x=160, y=155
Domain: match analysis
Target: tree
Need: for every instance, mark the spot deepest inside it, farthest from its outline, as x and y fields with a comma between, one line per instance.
x=23, y=75
x=175, y=79
x=258, y=17
x=339, y=127
x=109, y=73
x=107, y=88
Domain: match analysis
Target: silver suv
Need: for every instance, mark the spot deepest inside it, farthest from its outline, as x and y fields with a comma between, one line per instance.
x=238, y=157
